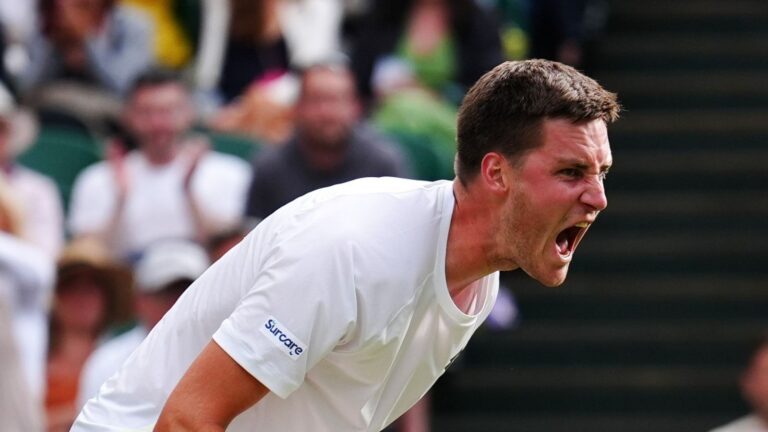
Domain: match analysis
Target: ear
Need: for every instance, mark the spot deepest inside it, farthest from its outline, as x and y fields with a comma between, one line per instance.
x=494, y=172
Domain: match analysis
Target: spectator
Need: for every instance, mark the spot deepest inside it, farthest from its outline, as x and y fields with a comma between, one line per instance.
x=26, y=280
x=170, y=45
x=84, y=57
x=39, y=199
x=246, y=67
x=330, y=144
x=754, y=388
x=18, y=408
x=565, y=30
x=162, y=275
x=85, y=307
x=446, y=44
x=171, y=186
x=221, y=242
x=243, y=41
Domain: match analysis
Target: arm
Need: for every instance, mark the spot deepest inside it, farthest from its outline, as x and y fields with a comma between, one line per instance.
x=204, y=225
x=213, y=391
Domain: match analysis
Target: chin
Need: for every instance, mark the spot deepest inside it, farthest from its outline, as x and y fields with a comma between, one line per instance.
x=550, y=278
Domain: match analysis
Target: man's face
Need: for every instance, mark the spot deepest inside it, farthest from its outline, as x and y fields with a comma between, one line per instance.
x=327, y=109
x=555, y=194
x=159, y=115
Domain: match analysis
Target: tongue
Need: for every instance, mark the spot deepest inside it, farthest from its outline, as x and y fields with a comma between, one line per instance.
x=563, y=242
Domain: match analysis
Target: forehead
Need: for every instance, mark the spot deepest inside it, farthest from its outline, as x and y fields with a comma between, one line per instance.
x=584, y=142
x=168, y=92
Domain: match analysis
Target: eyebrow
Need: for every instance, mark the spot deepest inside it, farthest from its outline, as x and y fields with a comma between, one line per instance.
x=581, y=165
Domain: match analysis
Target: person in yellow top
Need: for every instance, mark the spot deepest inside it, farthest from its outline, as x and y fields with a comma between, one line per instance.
x=172, y=48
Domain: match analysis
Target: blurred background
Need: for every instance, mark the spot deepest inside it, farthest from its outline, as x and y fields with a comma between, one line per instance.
x=665, y=303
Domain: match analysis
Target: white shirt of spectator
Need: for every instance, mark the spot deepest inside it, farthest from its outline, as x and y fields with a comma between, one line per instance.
x=156, y=208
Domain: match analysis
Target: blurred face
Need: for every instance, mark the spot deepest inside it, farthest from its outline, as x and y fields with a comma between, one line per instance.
x=159, y=116
x=556, y=193
x=81, y=302
x=328, y=108
x=754, y=383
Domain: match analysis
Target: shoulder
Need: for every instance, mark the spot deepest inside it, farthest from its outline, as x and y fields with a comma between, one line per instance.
x=271, y=156
x=371, y=207
x=112, y=352
x=96, y=173
x=375, y=144
x=130, y=16
x=225, y=163
x=34, y=178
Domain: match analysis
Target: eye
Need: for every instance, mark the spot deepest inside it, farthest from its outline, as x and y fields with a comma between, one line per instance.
x=573, y=173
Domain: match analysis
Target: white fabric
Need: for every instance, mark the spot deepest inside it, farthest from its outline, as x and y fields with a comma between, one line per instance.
x=105, y=361
x=19, y=18
x=311, y=30
x=26, y=286
x=41, y=207
x=156, y=208
x=354, y=275
x=170, y=261
x=750, y=423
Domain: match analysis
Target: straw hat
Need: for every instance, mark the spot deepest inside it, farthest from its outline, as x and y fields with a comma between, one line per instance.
x=89, y=253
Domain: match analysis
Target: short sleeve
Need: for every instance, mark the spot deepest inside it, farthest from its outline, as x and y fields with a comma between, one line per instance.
x=222, y=184
x=300, y=307
x=93, y=200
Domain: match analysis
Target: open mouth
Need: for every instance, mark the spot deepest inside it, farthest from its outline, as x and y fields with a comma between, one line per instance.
x=570, y=237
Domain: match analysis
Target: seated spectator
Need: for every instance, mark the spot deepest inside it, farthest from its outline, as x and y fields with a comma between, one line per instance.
x=246, y=54
x=447, y=44
x=171, y=186
x=19, y=410
x=165, y=270
x=221, y=242
x=754, y=388
x=85, y=307
x=85, y=56
x=170, y=45
x=26, y=282
x=330, y=144
x=39, y=199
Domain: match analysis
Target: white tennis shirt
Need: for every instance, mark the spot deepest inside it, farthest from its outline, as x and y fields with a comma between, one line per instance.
x=337, y=302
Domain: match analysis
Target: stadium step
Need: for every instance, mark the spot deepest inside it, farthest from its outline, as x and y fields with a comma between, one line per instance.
x=666, y=295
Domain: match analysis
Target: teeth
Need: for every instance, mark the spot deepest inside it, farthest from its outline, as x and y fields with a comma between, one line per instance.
x=582, y=224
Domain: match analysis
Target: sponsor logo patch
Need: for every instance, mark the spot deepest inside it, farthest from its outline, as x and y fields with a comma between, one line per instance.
x=283, y=338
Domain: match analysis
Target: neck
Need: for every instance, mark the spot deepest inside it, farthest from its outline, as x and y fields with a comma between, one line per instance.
x=157, y=155
x=468, y=241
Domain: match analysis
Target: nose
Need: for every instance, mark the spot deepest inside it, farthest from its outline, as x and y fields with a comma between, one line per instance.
x=594, y=195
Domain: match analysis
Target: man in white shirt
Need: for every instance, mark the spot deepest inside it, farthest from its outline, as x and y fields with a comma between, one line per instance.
x=37, y=194
x=165, y=270
x=172, y=186
x=342, y=308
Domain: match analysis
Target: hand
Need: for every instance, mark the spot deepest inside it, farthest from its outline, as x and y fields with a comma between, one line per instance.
x=114, y=153
x=193, y=151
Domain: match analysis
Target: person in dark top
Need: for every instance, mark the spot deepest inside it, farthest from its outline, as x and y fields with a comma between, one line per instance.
x=330, y=144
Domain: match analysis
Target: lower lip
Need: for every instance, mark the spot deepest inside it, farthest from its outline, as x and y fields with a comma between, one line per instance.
x=564, y=258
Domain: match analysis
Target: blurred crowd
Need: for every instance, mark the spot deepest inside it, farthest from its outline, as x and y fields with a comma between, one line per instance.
x=202, y=117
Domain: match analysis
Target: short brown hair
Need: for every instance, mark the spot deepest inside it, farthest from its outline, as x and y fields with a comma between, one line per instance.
x=503, y=111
